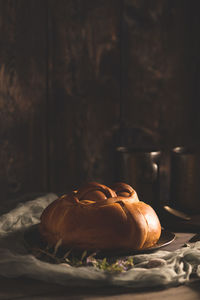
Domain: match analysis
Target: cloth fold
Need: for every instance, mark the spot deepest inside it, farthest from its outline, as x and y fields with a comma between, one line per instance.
x=158, y=269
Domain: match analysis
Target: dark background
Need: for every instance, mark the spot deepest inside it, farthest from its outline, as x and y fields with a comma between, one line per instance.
x=79, y=77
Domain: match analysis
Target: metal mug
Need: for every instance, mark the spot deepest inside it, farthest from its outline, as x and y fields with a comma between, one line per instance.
x=140, y=169
x=185, y=179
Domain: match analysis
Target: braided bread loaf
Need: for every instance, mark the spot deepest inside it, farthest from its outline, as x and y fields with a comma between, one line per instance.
x=98, y=217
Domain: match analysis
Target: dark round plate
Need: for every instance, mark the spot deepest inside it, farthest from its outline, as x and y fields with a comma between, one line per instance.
x=33, y=240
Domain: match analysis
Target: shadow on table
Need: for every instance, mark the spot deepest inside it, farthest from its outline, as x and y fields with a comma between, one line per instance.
x=24, y=288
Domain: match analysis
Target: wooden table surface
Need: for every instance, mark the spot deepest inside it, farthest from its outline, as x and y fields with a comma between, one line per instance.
x=23, y=288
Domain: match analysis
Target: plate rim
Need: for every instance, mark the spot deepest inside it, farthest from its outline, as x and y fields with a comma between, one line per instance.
x=117, y=252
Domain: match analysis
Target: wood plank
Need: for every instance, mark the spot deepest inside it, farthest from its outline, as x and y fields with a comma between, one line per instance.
x=192, y=67
x=84, y=90
x=159, y=50
x=23, y=288
x=35, y=290
x=22, y=97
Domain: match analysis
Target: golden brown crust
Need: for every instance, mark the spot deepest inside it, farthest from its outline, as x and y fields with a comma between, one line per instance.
x=95, y=191
x=98, y=217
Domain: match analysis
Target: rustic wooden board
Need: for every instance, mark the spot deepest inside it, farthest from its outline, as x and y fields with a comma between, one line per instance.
x=72, y=73
x=84, y=90
x=22, y=97
x=35, y=290
x=159, y=56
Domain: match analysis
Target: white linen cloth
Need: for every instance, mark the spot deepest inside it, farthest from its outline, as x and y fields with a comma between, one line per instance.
x=158, y=269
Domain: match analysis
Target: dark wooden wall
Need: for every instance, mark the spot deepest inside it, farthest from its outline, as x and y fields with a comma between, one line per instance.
x=78, y=77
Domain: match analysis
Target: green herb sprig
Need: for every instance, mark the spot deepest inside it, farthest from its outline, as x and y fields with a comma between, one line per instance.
x=110, y=265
